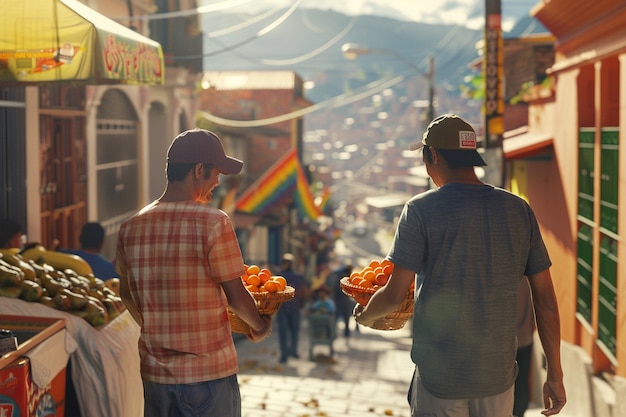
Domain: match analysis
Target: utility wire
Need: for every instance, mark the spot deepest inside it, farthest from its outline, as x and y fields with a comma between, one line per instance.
x=338, y=101
x=183, y=13
x=267, y=29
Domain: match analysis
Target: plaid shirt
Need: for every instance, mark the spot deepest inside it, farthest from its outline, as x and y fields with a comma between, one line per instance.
x=174, y=256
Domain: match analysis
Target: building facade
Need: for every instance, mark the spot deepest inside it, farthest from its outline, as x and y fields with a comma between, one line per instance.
x=94, y=150
x=571, y=167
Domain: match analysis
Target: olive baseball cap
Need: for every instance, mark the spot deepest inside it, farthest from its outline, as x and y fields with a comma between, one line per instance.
x=201, y=146
x=454, y=138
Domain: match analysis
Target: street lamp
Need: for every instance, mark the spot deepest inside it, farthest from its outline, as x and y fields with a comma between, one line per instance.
x=353, y=51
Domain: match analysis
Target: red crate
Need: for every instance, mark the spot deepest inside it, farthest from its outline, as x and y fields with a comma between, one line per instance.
x=19, y=395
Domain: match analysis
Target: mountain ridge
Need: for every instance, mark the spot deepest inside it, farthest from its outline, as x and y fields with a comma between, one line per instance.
x=403, y=48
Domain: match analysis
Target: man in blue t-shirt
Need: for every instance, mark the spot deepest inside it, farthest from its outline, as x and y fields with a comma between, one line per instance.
x=467, y=246
x=91, y=241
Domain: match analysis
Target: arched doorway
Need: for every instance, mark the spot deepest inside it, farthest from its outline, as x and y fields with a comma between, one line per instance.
x=117, y=164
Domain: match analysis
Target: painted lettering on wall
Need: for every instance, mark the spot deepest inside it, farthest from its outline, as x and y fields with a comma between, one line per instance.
x=494, y=104
x=131, y=61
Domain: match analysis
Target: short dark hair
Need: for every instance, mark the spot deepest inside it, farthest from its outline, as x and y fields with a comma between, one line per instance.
x=8, y=229
x=178, y=172
x=455, y=159
x=92, y=235
x=428, y=155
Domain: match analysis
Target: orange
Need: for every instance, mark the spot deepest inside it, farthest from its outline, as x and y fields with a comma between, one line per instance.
x=365, y=283
x=265, y=275
x=253, y=270
x=252, y=288
x=254, y=280
x=271, y=286
x=374, y=264
x=388, y=269
x=369, y=276
x=378, y=270
x=381, y=279
x=281, y=281
x=355, y=278
x=354, y=274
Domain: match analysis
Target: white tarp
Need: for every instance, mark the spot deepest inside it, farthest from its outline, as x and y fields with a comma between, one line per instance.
x=105, y=364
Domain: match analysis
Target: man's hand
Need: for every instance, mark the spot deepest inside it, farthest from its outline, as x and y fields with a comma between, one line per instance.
x=553, y=398
x=263, y=333
x=358, y=310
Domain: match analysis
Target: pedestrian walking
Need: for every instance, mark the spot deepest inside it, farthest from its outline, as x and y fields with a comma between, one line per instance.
x=180, y=265
x=289, y=315
x=345, y=304
x=470, y=244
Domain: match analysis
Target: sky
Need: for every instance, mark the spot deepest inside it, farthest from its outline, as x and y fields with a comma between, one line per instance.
x=468, y=13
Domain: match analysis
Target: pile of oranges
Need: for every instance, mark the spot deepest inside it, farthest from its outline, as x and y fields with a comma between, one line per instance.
x=257, y=279
x=374, y=275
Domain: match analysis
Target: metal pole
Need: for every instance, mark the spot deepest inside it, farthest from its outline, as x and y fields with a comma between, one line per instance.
x=431, y=89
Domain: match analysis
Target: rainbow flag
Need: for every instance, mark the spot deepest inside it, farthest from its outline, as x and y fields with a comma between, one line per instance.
x=323, y=199
x=304, y=198
x=285, y=177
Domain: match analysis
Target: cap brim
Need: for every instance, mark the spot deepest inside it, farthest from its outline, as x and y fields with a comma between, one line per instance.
x=231, y=166
x=462, y=158
x=416, y=145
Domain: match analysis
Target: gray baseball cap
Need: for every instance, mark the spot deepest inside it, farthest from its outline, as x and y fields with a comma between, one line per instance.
x=454, y=138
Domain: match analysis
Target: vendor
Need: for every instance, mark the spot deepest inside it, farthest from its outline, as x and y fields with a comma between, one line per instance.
x=10, y=234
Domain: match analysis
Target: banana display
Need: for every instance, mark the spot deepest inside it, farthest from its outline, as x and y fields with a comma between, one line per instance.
x=58, y=280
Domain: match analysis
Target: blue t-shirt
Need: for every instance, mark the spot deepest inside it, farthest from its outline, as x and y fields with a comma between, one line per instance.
x=102, y=268
x=470, y=246
x=326, y=306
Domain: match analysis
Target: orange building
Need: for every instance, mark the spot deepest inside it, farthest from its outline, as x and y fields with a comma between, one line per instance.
x=569, y=166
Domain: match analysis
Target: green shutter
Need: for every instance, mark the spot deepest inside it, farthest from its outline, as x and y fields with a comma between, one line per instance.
x=584, y=271
x=585, y=173
x=607, y=302
x=609, y=179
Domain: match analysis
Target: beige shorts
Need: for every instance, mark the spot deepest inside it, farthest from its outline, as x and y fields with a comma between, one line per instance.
x=424, y=404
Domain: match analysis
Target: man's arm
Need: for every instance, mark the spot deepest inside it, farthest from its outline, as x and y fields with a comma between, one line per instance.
x=122, y=272
x=386, y=299
x=548, y=327
x=241, y=303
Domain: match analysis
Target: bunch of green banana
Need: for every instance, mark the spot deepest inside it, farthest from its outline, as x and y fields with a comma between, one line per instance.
x=60, y=281
x=18, y=278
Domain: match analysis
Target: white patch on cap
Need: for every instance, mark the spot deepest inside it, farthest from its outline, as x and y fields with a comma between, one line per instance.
x=467, y=140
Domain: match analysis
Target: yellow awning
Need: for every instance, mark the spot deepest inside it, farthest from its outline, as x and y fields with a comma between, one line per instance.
x=64, y=40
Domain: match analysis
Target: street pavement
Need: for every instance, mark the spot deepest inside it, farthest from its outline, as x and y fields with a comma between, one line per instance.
x=368, y=375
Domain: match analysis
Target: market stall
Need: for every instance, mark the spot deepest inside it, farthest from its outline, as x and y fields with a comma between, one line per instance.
x=105, y=363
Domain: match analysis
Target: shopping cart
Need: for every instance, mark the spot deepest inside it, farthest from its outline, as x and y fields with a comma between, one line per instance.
x=322, y=331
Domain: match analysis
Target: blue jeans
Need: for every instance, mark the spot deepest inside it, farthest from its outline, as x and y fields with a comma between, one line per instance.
x=218, y=398
x=288, y=332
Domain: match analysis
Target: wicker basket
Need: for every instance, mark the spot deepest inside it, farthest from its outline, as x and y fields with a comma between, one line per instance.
x=267, y=303
x=392, y=321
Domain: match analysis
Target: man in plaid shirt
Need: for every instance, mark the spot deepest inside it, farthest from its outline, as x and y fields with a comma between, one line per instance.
x=180, y=265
